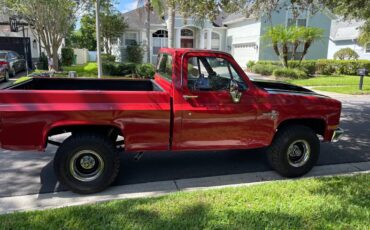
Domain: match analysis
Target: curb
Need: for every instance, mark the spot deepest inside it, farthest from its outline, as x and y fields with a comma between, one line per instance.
x=153, y=189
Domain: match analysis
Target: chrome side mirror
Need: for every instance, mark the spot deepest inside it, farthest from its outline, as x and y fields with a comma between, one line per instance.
x=235, y=92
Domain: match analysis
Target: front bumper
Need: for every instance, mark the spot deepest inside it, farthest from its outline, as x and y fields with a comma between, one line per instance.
x=338, y=132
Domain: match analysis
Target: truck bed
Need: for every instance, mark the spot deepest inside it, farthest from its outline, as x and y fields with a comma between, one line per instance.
x=87, y=84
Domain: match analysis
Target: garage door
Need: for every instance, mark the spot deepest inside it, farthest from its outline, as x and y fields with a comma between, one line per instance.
x=17, y=44
x=244, y=53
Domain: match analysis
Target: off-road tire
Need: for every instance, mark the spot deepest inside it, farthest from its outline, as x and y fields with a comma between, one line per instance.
x=277, y=153
x=93, y=142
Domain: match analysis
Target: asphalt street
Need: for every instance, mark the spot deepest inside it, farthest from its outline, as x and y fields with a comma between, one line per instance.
x=24, y=173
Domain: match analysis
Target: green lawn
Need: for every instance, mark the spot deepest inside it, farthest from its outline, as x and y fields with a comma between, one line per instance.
x=321, y=203
x=88, y=70
x=337, y=84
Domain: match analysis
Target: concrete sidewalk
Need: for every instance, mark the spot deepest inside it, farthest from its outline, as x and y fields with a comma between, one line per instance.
x=63, y=199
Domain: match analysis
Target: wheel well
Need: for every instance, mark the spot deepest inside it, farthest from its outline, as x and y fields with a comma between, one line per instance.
x=106, y=130
x=317, y=125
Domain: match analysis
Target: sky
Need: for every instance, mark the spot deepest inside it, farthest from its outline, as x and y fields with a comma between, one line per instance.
x=126, y=5
x=122, y=5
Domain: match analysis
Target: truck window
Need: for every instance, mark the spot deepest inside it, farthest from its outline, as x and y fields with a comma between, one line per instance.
x=164, y=66
x=212, y=74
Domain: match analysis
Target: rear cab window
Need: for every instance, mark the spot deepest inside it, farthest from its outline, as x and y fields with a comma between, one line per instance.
x=164, y=66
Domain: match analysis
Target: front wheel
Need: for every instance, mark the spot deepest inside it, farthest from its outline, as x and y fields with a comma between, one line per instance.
x=86, y=163
x=294, y=151
x=6, y=77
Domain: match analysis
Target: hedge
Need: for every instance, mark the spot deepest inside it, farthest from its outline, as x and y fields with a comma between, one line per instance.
x=125, y=69
x=67, y=56
x=108, y=58
x=290, y=73
x=322, y=66
x=264, y=69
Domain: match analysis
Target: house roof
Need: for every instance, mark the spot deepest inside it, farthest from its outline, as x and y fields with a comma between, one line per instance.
x=134, y=18
x=235, y=17
x=345, y=30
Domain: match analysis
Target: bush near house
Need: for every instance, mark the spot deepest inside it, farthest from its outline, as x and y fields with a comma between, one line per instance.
x=128, y=69
x=346, y=54
x=290, y=73
x=107, y=58
x=264, y=69
x=42, y=64
x=322, y=66
x=145, y=70
x=135, y=53
x=67, y=56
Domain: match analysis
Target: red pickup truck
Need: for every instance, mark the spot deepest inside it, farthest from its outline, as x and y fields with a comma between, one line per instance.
x=199, y=100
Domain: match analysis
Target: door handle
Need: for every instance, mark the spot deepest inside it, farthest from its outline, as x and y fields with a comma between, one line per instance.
x=186, y=97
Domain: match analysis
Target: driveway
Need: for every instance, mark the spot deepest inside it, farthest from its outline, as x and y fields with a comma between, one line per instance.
x=12, y=79
x=32, y=172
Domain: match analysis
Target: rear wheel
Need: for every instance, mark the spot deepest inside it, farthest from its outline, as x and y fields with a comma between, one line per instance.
x=294, y=151
x=86, y=163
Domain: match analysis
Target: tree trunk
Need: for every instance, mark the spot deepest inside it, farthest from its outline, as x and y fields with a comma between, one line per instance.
x=55, y=57
x=305, y=49
x=171, y=26
x=285, y=55
x=148, y=35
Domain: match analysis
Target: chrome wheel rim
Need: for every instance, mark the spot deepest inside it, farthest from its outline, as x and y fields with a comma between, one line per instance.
x=298, y=153
x=86, y=165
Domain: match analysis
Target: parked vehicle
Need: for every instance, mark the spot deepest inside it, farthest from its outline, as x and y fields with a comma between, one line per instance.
x=4, y=73
x=199, y=101
x=15, y=63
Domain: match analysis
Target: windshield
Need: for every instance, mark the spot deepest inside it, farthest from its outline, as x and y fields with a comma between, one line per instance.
x=3, y=56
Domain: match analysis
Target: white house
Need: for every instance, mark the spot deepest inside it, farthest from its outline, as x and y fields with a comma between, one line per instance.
x=344, y=34
x=235, y=34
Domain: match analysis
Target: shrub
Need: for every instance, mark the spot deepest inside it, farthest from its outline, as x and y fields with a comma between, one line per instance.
x=345, y=67
x=42, y=64
x=67, y=56
x=135, y=53
x=145, y=70
x=346, y=54
x=290, y=73
x=309, y=66
x=262, y=69
x=324, y=66
x=250, y=64
x=118, y=69
x=108, y=58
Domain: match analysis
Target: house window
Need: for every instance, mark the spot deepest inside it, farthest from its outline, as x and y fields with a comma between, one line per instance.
x=216, y=41
x=130, y=38
x=187, y=33
x=367, y=48
x=297, y=22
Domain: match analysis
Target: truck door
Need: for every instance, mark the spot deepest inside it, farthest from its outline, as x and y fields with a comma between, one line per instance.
x=210, y=118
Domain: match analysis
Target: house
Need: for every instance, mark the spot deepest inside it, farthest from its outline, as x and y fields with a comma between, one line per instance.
x=344, y=34
x=14, y=40
x=235, y=34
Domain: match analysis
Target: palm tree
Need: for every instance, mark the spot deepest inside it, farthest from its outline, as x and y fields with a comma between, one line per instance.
x=296, y=33
x=309, y=36
x=158, y=6
x=280, y=38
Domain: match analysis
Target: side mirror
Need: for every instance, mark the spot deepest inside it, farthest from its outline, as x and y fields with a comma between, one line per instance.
x=235, y=92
